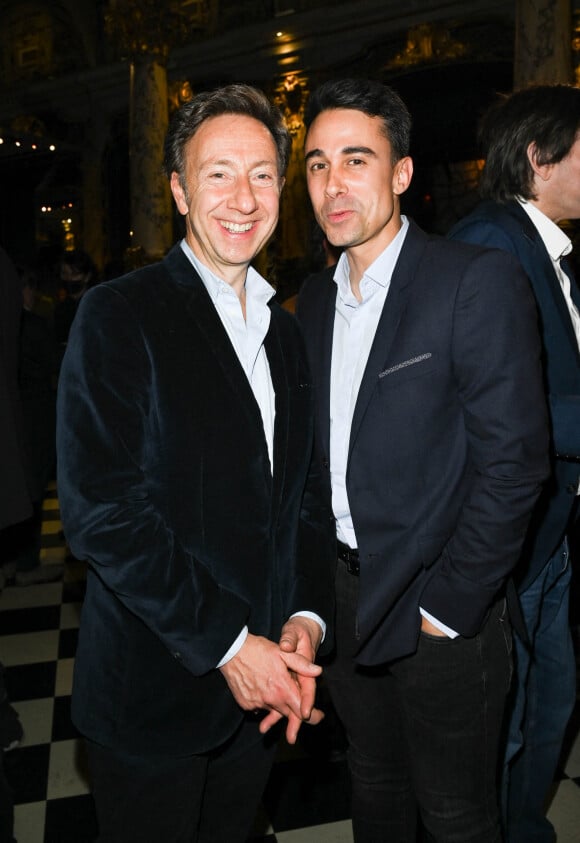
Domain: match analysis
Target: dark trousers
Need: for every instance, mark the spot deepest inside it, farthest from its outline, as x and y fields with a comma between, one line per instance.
x=542, y=701
x=198, y=799
x=423, y=732
x=6, y=805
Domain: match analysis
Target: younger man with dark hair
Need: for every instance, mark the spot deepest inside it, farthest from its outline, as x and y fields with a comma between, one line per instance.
x=432, y=441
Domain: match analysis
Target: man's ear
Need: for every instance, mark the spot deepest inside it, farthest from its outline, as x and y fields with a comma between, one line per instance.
x=402, y=175
x=542, y=171
x=178, y=193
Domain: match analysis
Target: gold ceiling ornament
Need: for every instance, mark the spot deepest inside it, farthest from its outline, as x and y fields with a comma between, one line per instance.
x=141, y=27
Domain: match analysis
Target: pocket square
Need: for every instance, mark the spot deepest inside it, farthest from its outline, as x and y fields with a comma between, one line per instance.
x=405, y=363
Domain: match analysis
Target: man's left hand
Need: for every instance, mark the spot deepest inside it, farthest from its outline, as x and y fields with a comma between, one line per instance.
x=300, y=638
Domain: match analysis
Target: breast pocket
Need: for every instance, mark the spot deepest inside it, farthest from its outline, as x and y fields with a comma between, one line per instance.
x=407, y=369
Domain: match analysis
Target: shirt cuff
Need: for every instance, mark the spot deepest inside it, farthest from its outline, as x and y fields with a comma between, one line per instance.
x=235, y=648
x=450, y=633
x=313, y=617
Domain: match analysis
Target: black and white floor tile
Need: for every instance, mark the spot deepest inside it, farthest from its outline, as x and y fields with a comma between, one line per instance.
x=307, y=798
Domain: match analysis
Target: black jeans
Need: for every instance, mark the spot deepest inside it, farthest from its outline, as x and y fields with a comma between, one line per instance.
x=196, y=799
x=424, y=731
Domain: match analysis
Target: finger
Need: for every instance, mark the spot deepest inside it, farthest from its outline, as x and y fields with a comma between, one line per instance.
x=289, y=642
x=299, y=664
x=308, y=692
x=292, y=728
x=270, y=720
x=316, y=717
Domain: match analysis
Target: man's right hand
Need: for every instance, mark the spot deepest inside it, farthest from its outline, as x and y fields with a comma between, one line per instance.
x=260, y=678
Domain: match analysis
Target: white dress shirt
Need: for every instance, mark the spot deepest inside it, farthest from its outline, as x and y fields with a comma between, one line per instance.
x=247, y=338
x=355, y=326
x=558, y=245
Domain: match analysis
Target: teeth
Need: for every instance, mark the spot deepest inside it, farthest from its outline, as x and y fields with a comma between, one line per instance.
x=237, y=227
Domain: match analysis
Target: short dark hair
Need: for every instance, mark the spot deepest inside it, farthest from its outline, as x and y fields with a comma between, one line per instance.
x=231, y=99
x=547, y=115
x=372, y=98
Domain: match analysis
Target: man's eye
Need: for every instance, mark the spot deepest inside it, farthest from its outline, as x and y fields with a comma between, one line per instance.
x=317, y=165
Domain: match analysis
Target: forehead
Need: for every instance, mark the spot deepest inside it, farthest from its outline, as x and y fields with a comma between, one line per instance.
x=231, y=137
x=344, y=128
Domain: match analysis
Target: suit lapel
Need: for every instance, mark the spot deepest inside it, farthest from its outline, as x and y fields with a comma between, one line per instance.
x=394, y=307
x=279, y=374
x=566, y=265
x=544, y=280
x=322, y=383
x=202, y=311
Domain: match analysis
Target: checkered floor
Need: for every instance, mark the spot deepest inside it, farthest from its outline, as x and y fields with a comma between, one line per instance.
x=307, y=797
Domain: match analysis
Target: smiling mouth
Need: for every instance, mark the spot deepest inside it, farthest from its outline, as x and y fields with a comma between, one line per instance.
x=237, y=227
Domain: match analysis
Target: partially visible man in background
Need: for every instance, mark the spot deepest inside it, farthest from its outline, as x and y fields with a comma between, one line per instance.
x=530, y=184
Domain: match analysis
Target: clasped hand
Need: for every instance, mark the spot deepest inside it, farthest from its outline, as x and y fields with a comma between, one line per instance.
x=279, y=678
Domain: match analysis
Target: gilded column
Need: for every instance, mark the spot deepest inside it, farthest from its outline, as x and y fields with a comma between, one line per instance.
x=93, y=208
x=150, y=195
x=145, y=31
x=543, y=46
x=294, y=218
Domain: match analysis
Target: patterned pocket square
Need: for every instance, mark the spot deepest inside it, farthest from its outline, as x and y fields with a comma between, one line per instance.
x=405, y=363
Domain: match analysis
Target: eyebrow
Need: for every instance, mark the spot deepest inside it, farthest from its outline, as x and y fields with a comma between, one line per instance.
x=229, y=162
x=347, y=150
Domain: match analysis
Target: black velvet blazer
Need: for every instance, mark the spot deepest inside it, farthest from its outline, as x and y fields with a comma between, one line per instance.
x=166, y=488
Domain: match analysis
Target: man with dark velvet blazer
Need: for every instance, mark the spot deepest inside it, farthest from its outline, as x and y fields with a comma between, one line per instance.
x=530, y=184
x=184, y=439
x=432, y=434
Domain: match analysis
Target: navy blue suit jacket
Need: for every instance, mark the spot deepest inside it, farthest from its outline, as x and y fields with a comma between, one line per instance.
x=448, y=445
x=166, y=488
x=508, y=227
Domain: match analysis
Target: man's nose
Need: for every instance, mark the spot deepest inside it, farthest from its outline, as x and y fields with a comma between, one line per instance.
x=335, y=184
x=243, y=197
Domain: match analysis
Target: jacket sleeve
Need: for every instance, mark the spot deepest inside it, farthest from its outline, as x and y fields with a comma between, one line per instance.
x=107, y=469
x=496, y=358
x=564, y=408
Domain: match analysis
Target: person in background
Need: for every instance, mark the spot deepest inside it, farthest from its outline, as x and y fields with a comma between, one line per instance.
x=21, y=543
x=15, y=504
x=433, y=443
x=184, y=432
x=77, y=273
x=530, y=184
